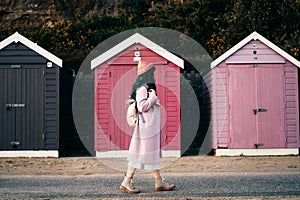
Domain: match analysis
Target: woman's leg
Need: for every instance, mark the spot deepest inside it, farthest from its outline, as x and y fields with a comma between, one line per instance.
x=127, y=184
x=130, y=172
x=159, y=184
x=156, y=174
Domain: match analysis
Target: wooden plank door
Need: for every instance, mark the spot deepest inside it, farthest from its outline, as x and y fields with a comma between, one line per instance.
x=242, y=99
x=168, y=83
x=21, y=102
x=270, y=119
x=256, y=106
x=160, y=80
x=7, y=115
x=121, y=79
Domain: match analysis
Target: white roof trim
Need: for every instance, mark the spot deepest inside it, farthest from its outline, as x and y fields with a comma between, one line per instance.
x=254, y=36
x=16, y=37
x=136, y=38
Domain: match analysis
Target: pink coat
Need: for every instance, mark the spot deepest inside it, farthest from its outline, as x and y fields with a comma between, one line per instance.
x=145, y=146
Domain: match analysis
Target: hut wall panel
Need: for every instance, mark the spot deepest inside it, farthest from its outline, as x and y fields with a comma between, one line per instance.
x=172, y=74
x=207, y=99
x=101, y=103
x=291, y=106
x=51, y=108
x=220, y=105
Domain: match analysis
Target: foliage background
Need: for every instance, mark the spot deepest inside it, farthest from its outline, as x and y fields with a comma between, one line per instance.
x=216, y=24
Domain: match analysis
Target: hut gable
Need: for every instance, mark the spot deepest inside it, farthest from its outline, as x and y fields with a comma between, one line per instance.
x=18, y=38
x=247, y=43
x=136, y=39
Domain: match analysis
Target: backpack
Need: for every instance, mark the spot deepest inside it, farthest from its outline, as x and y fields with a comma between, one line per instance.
x=131, y=115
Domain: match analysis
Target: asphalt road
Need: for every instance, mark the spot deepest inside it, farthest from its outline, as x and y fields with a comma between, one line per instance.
x=187, y=185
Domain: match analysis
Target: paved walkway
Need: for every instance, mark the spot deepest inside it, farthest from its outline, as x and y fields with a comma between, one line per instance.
x=215, y=185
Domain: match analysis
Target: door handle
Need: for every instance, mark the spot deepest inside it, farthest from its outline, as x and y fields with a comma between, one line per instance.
x=8, y=107
x=14, y=105
x=256, y=110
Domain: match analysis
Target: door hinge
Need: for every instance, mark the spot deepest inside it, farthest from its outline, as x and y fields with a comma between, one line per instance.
x=15, y=144
x=109, y=74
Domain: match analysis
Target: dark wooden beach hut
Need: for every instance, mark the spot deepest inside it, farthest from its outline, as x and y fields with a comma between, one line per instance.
x=29, y=99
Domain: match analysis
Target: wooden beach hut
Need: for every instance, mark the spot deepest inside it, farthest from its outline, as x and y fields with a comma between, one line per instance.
x=255, y=99
x=29, y=99
x=115, y=72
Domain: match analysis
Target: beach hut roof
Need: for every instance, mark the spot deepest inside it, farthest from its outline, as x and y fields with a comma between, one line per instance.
x=254, y=36
x=16, y=37
x=136, y=39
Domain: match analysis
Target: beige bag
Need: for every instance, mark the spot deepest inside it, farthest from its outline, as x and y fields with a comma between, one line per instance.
x=131, y=115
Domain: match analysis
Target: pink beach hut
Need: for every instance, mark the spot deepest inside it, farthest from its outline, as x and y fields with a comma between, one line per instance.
x=115, y=72
x=255, y=102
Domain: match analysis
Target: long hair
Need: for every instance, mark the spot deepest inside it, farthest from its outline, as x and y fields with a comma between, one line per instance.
x=146, y=78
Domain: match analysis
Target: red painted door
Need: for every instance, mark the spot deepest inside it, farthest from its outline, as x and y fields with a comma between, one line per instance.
x=160, y=71
x=256, y=106
x=121, y=79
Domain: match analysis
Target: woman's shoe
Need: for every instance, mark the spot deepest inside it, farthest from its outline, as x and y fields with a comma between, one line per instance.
x=127, y=186
x=161, y=186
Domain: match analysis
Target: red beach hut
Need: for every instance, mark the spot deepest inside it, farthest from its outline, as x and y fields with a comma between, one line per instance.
x=255, y=102
x=115, y=72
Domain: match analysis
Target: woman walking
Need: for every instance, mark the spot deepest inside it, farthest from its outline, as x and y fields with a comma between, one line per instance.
x=145, y=146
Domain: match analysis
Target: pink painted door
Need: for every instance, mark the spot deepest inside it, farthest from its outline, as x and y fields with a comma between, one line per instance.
x=241, y=102
x=270, y=121
x=256, y=106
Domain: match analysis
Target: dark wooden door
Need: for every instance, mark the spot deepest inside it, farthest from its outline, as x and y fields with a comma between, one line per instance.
x=21, y=107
